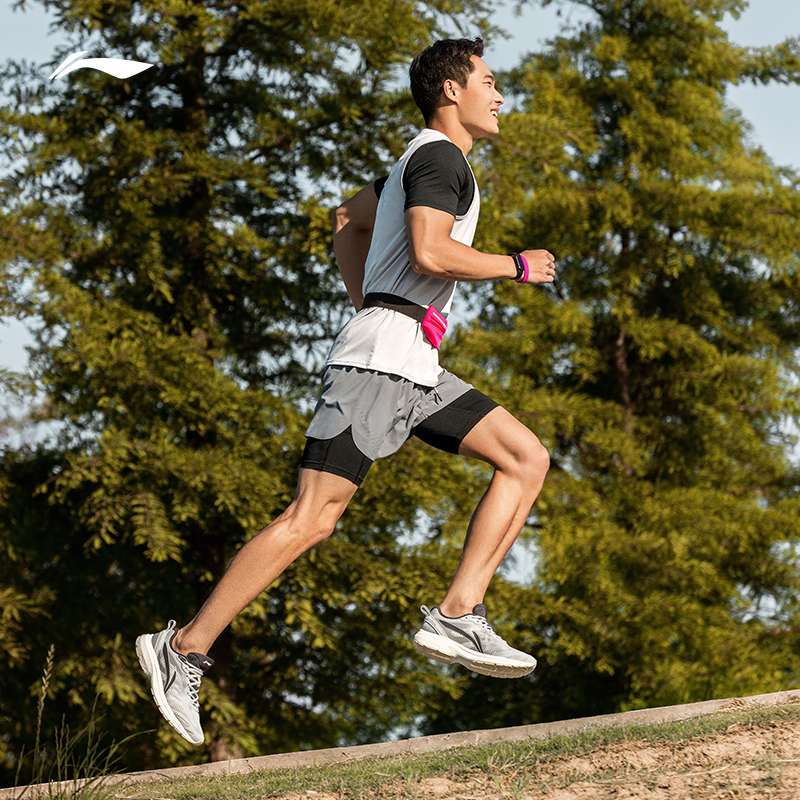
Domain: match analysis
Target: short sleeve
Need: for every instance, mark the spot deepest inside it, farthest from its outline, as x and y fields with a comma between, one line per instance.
x=378, y=185
x=437, y=176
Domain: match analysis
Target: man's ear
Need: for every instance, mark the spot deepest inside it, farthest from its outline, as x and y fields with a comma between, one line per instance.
x=449, y=88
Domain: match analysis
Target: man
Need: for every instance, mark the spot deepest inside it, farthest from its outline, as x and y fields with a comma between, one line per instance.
x=400, y=257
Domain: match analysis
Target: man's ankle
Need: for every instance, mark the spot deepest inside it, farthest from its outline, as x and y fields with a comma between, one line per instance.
x=181, y=645
x=455, y=609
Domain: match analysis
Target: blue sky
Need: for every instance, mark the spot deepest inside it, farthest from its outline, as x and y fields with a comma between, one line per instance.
x=773, y=111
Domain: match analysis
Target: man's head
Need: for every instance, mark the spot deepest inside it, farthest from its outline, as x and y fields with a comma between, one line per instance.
x=448, y=59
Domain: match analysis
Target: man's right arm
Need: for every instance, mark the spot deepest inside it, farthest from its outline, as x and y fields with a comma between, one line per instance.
x=353, y=222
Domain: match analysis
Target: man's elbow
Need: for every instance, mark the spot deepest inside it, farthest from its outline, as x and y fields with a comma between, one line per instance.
x=416, y=262
x=339, y=218
x=424, y=262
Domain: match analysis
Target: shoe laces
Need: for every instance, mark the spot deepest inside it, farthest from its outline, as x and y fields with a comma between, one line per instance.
x=193, y=676
x=488, y=628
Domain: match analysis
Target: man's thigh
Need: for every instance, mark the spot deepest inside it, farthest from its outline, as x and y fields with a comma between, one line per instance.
x=447, y=427
x=321, y=493
x=339, y=456
x=502, y=441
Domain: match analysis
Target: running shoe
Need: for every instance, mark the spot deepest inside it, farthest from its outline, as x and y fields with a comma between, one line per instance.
x=174, y=681
x=472, y=642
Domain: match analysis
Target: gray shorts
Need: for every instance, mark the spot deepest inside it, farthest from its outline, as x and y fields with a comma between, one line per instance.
x=363, y=415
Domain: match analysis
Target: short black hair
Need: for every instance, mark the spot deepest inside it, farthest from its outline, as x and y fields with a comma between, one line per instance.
x=447, y=59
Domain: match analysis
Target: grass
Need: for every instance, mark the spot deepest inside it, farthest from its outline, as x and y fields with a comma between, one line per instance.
x=513, y=770
x=76, y=767
x=80, y=767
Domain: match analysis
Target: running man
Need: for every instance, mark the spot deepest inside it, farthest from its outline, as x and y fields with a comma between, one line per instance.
x=401, y=245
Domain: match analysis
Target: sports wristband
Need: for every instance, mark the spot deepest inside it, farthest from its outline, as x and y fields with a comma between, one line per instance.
x=522, y=267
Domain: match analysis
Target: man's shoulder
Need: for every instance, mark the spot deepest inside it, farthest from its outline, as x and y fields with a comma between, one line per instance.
x=442, y=149
x=438, y=156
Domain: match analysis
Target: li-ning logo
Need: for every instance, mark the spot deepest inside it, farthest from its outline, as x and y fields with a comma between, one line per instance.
x=118, y=67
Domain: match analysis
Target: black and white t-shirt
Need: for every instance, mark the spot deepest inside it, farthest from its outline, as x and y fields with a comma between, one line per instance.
x=434, y=173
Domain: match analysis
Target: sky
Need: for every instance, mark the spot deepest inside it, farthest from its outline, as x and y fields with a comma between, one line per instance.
x=773, y=111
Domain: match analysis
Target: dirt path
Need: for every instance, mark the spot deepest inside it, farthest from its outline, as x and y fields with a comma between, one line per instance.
x=746, y=761
x=756, y=761
x=752, y=752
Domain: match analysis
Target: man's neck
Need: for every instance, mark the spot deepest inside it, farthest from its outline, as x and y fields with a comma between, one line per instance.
x=454, y=131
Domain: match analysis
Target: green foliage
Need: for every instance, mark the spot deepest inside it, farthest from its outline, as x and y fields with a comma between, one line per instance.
x=660, y=370
x=168, y=239
x=73, y=765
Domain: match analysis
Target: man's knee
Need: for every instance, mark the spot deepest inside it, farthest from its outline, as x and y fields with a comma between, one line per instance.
x=320, y=500
x=311, y=526
x=328, y=518
x=540, y=457
x=527, y=459
x=537, y=459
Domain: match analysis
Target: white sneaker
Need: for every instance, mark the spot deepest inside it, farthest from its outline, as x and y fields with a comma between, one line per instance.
x=472, y=642
x=174, y=681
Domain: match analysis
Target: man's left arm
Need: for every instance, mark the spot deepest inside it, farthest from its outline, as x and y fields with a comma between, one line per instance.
x=432, y=251
x=353, y=222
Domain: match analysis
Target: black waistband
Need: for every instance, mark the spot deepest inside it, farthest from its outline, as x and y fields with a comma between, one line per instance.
x=396, y=303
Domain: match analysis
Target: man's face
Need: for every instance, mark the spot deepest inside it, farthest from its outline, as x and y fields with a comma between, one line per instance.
x=480, y=101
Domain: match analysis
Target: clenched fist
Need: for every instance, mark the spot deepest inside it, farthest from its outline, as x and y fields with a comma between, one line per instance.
x=541, y=266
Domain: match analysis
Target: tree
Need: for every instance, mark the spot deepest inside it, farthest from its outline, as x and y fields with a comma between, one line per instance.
x=170, y=232
x=660, y=370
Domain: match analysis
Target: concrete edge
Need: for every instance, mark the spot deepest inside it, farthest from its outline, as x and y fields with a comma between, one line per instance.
x=438, y=743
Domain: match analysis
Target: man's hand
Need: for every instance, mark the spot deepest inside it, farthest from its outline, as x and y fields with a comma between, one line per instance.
x=541, y=266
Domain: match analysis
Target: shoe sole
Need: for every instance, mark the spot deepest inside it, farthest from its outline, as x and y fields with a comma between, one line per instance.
x=440, y=648
x=149, y=663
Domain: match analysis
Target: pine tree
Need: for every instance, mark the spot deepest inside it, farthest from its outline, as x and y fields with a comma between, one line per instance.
x=171, y=233
x=660, y=370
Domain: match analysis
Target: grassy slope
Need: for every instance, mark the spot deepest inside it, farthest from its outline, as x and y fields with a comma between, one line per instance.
x=504, y=769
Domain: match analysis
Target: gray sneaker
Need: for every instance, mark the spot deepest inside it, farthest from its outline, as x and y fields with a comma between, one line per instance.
x=174, y=681
x=470, y=641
